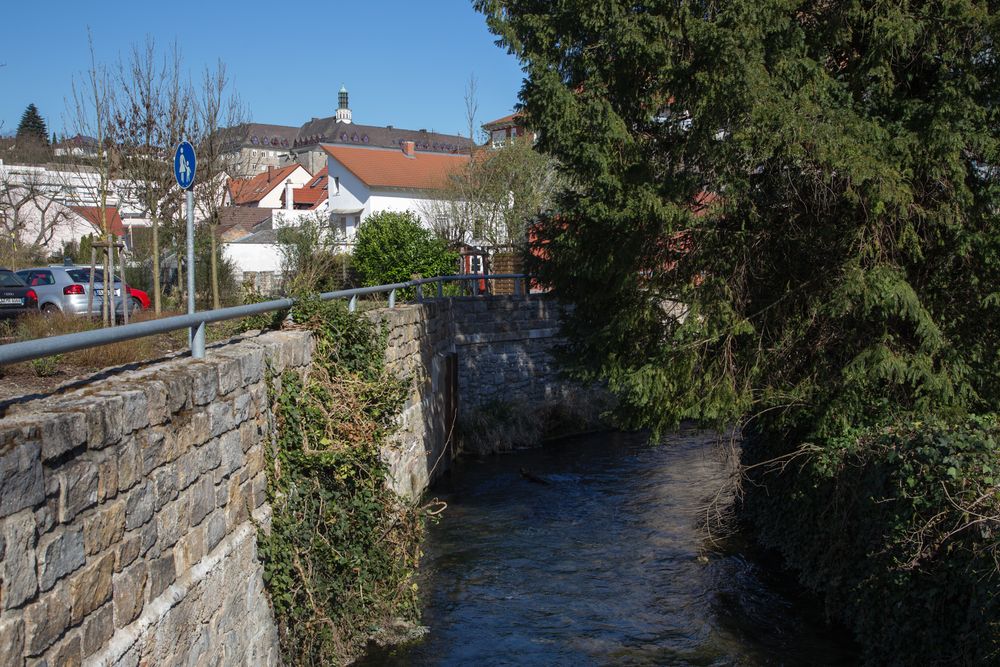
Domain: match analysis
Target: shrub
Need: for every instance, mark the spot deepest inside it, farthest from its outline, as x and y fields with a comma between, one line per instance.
x=393, y=247
x=897, y=528
x=342, y=547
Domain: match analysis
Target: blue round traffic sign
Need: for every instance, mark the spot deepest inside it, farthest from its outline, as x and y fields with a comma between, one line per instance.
x=185, y=165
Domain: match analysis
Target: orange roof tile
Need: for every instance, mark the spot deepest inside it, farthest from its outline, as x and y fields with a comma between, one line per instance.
x=250, y=190
x=92, y=214
x=314, y=192
x=391, y=168
x=515, y=118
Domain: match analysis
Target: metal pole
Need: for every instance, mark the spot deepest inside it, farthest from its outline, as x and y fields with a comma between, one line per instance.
x=420, y=293
x=352, y=305
x=392, y=298
x=440, y=289
x=197, y=333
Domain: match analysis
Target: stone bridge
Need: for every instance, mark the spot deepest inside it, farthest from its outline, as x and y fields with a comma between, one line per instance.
x=129, y=505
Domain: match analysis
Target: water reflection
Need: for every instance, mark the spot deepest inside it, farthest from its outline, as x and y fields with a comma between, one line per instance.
x=604, y=564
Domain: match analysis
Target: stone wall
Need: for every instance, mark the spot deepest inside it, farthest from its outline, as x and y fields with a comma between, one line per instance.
x=129, y=505
x=463, y=354
x=128, y=513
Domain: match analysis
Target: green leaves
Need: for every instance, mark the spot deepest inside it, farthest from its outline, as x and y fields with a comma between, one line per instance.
x=392, y=247
x=342, y=546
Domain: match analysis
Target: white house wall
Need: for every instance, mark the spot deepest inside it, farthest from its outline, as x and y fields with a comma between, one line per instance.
x=355, y=194
x=255, y=257
x=299, y=178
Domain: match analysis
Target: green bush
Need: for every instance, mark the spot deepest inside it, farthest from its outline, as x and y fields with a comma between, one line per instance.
x=342, y=548
x=897, y=528
x=393, y=247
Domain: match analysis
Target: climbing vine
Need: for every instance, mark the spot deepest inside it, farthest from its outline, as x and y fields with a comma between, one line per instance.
x=342, y=547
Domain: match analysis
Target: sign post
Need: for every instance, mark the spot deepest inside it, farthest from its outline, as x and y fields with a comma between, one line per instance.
x=185, y=165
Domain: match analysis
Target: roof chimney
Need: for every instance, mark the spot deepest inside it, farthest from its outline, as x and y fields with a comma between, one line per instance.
x=408, y=148
x=269, y=170
x=289, y=195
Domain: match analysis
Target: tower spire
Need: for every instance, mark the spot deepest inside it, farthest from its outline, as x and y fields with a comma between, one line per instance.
x=343, y=109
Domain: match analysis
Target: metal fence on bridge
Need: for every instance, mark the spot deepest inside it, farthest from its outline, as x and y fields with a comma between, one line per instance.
x=44, y=347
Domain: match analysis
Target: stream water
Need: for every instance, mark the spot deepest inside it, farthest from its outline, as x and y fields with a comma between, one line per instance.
x=602, y=564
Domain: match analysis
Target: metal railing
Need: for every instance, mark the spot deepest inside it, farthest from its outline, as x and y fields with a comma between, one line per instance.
x=44, y=347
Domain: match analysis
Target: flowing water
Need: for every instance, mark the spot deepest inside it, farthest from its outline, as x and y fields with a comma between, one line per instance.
x=602, y=564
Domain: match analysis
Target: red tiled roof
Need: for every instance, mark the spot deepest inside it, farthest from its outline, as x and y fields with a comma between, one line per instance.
x=314, y=192
x=250, y=190
x=388, y=167
x=92, y=214
x=512, y=119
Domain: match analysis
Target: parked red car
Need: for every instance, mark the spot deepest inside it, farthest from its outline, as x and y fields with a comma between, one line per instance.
x=138, y=300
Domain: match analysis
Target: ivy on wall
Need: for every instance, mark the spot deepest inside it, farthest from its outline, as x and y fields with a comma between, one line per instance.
x=342, y=548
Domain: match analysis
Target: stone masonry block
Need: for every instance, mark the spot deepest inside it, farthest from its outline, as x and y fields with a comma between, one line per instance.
x=215, y=530
x=61, y=432
x=136, y=408
x=201, y=500
x=172, y=522
x=21, y=483
x=98, y=629
x=91, y=588
x=231, y=454
x=46, y=620
x=129, y=463
x=230, y=373
x=164, y=481
x=161, y=575
x=129, y=593
x=107, y=478
x=189, y=549
x=59, y=553
x=19, y=580
x=68, y=653
x=220, y=417
x=139, y=506
x=152, y=449
x=103, y=418
x=12, y=641
x=104, y=527
x=77, y=489
x=205, y=382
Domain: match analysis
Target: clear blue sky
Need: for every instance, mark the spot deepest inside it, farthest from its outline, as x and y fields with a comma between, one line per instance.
x=405, y=62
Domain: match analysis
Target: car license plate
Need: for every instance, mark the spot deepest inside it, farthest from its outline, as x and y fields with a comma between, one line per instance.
x=11, y=302
x=100, y=292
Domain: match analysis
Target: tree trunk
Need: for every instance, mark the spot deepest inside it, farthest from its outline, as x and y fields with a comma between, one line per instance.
x=156, y=267
x=104, y=289
x=215, y=270
x=90, y=292
x=109, y=283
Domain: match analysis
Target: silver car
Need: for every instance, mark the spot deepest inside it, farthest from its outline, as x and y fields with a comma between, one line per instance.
x=66, y=289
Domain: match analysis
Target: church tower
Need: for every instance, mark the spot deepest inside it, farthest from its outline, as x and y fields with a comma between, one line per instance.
x=343, y=110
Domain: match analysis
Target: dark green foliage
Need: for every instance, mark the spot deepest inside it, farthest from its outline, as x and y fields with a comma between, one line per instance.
x=849, y=264
x=898, y=528
x=32, y=127
x=815, y=182
x=393, y=247
x=342, y=548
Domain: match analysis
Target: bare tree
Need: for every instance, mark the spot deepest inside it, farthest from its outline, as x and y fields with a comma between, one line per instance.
x=491, y=202
x=220, y=125
x=91, y=113
x=471, y=106
x=152, y=117
x=31, y=214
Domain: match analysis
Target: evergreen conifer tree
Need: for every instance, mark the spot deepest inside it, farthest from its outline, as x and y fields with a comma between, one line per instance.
x=32, y=126
x=812, y=184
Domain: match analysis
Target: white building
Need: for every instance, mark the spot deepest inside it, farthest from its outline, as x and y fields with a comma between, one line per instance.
x=363, y=181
